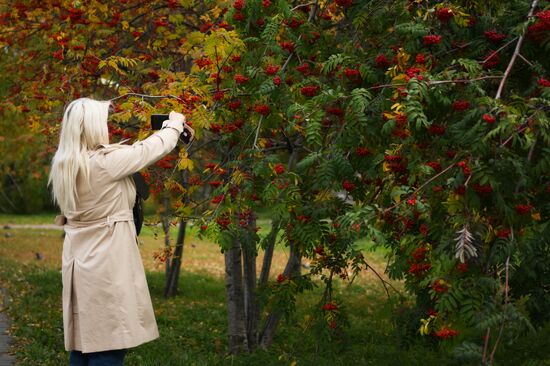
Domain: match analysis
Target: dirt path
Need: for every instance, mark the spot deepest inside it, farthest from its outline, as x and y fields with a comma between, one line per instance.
x=30, y=226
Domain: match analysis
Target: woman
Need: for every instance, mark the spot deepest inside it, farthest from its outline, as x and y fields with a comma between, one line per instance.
x=106, y=302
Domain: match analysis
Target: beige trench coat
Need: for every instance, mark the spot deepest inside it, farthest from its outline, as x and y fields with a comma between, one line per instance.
x=106, y=301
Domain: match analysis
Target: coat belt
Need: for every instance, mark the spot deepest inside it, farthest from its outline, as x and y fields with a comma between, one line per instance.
x=124, y=215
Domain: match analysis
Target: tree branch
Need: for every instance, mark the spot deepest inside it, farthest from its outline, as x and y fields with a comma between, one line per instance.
x=515, y=54
x=438, y=82
x=422, y=186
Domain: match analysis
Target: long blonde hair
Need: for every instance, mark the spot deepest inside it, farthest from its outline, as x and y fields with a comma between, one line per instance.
x=83, y=128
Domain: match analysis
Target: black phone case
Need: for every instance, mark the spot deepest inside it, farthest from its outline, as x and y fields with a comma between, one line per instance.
x=157, y=120
x=156, y=124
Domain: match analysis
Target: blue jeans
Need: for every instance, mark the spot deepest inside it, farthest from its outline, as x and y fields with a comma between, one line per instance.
x=104, y=358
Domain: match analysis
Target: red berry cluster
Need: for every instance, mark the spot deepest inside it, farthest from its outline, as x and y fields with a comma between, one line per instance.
x=440, y=286
x=348, y=186
x=239, y=4
x=382, y=62
x=494, y=36
x=262, y=109
x=234, y=104
x=446, y=333
x=436, y=129
x=330, y=306
x=279, y=169
x=444, y=14
x=362, y=151
x=489, y=118
x=465, y=167
x=240, y=79
x=272, y=69
x=461, y=105
x=309, y=91
x=523, y=209
x=434, y=165
x=420, y=264
x=344, y=3
x=541, y=25
x=431, y=39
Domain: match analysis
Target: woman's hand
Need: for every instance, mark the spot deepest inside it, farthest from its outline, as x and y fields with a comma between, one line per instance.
x=175, y=116
x=188, y=132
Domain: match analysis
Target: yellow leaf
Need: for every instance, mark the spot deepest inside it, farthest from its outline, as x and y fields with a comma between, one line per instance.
x=185, y=162
x=392, y=71
x=389, y=115
x=187, y=3
x=536, y=216
x=194, y=38
x=104, y=8
x=34, y=123
x=397, y=107
x=399, y=79
x=125, y=25
x=216, y=11
x=324, y=195
x=403, y=59
x=184, y=211
x=172, y=185
x=237, y=177
x=221, y=42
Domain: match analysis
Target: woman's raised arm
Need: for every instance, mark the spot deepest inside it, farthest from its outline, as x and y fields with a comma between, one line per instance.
x=128, y=159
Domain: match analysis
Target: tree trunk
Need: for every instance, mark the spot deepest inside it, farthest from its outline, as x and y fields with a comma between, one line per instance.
x=292, y=269
x=171, y=288
x=172, y=279
x=268, y=253
x=237, y=329
x=166, y=228
x=251, y=309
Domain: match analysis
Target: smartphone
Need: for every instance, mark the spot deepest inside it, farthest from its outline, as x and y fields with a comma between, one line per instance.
x=158, y=119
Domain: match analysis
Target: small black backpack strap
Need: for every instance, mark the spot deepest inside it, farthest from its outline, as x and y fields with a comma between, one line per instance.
x=142, y=193
x=141, y=186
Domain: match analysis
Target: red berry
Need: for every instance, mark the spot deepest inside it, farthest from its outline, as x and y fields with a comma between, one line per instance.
x=238, y=4
x=348, y=186
x=279, y=168
x=489, y=118
x=431, y=39
x=444, y=14
x=382, y=62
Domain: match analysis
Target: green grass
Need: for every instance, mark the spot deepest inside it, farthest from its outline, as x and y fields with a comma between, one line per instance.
x=193, y=326
x=36, y=219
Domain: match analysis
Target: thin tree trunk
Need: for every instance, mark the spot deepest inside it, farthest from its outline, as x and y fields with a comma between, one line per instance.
x=166, y=228
x=292, y=269
x=251, y=308
x=238, y=340
x=268, y=253
x=172, y=279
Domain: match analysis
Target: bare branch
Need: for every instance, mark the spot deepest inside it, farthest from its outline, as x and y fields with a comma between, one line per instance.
x=515, y=54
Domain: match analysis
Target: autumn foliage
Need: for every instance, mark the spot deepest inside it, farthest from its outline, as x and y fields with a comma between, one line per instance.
x=421, y=126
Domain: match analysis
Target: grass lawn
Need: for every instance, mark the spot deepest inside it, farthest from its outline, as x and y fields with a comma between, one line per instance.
x=193, y=325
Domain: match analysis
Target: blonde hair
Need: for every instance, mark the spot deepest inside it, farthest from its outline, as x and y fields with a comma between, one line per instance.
x=83, y=128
